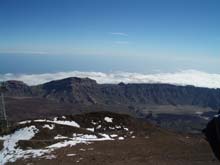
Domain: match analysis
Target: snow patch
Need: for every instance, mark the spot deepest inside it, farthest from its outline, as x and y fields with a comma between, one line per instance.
x=41, y=120
x=25, y=122
x=118, y=126
x=94, y=123
x=61, y=122
x=90, y=129
x=126, y=129
x=68, y=123
x=114, y=135
x=121, y=138
x=10, y=152
x=60, y=137
x=71, y=155
x=50, y=127
x=108, y=119
x=79, y=138
x=98, y=127
x=82, y=149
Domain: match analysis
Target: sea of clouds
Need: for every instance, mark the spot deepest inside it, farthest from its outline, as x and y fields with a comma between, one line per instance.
x=186, y=77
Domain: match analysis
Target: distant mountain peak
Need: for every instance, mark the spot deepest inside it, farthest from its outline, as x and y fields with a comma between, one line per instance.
x=74, y=80
x=14, y=82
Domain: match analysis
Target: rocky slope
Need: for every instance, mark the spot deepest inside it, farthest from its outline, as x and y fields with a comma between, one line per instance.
x=212, y=133
x=100, y=138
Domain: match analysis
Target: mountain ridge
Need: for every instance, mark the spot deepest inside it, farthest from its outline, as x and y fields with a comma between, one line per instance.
x=87, y=91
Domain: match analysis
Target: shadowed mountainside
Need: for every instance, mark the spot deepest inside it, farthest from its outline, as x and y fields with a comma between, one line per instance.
x=180, y=108
x=86, y=91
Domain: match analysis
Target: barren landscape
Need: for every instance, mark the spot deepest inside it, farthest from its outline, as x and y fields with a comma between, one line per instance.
x=101, y=138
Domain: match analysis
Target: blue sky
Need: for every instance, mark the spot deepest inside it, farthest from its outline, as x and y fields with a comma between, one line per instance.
x=109, y=35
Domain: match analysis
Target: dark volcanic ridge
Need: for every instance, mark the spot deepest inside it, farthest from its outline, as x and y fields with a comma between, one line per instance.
x=87, y=91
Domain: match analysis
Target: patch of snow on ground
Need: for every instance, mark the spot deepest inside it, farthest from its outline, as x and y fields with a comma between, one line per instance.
x=118, y=126
x=77, y=135
x=68, y=123
x=126, y=129
x=90, y=129
x=94, y=123
x=50, y=127
x=40, y=120
x=71, y=155
x=88, y=137
x=10, y=152
x=121, y=138
x=108, y=119
x=60, y=137
x=79, y=138
x=25, y=122
x=61, y=122
x=106, y=137
x=63, y=144
x=98, y=127
x=114, y=135
x=82, y=149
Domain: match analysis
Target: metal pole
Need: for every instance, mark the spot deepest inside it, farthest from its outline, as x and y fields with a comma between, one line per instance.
x=3, y=109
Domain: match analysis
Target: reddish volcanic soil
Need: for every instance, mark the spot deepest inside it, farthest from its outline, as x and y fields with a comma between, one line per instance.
x=160, y=148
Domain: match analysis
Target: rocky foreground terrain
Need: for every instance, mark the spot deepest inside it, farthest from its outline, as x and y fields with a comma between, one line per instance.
x=101, y=138
x=77, y=121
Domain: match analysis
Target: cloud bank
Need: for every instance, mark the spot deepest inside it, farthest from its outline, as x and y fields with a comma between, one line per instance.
x=187, y=77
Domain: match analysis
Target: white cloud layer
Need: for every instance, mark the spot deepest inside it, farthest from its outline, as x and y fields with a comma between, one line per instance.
x=187, y=77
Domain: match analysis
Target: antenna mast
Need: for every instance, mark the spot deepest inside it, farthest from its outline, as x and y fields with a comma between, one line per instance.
x=3, y=116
